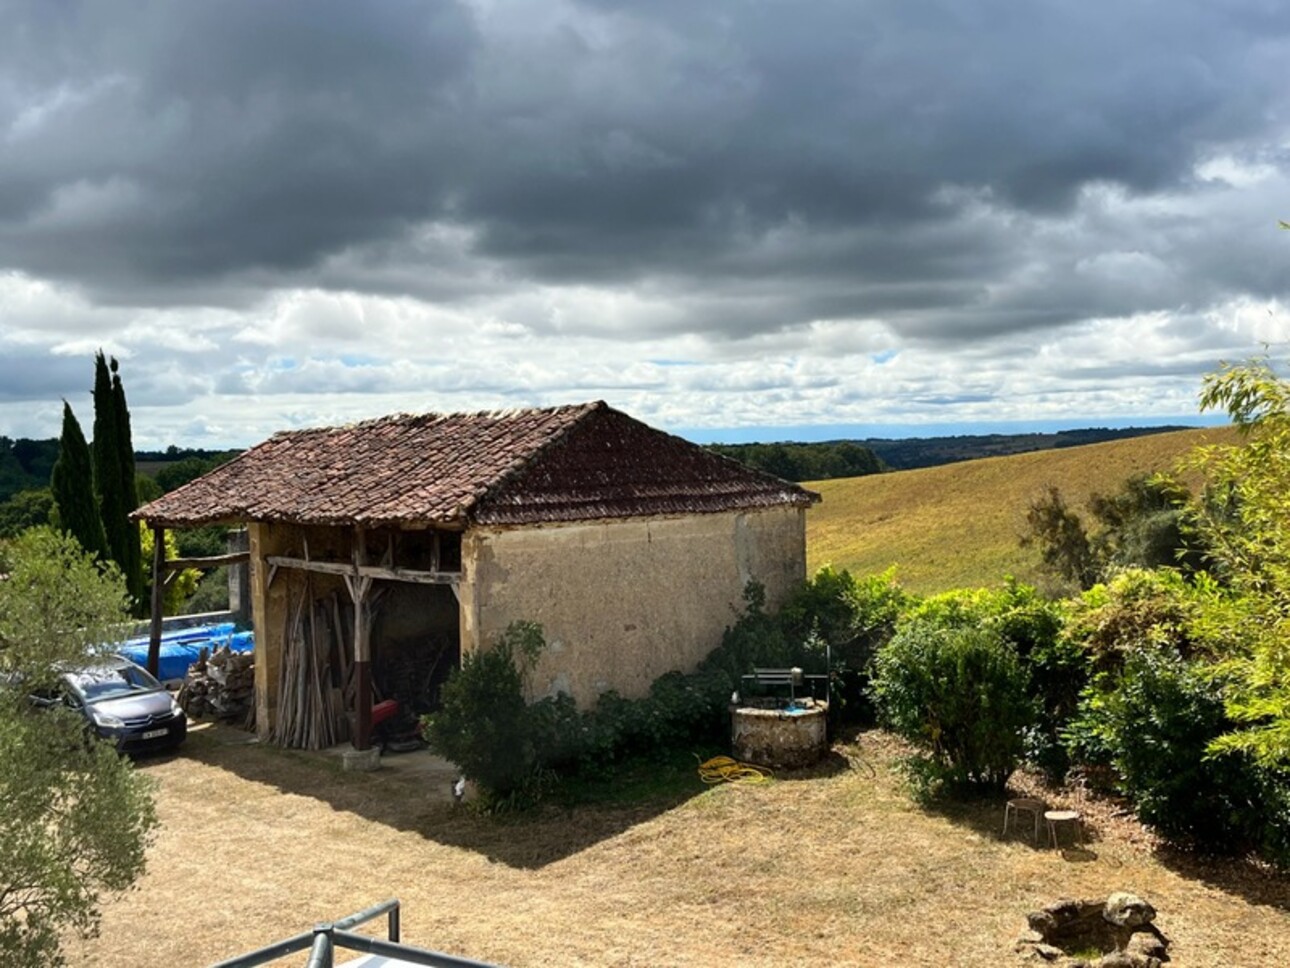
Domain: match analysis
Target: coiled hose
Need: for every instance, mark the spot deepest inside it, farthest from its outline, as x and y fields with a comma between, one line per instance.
x=722, y=769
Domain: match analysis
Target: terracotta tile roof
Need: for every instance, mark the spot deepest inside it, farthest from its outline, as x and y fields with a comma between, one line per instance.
x=522, y=466
x=610, y=465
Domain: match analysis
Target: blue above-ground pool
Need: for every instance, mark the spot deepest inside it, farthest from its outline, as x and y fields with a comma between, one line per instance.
x=182, y=647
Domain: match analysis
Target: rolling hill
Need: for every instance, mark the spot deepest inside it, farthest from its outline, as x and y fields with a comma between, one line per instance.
x=958, y=525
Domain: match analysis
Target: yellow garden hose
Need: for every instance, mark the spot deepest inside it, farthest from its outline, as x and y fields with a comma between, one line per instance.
x=722, y=769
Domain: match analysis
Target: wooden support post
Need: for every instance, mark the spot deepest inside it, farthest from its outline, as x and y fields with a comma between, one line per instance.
x=358, y=589
x=158, y=566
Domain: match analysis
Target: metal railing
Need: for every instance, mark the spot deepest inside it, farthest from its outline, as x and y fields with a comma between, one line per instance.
x=792, y=678
x=325, y=938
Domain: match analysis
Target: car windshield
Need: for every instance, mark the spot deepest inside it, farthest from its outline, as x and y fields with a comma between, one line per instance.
x=108, y=682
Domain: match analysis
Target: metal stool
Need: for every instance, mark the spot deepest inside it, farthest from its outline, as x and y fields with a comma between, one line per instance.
x=1072, y=817
x=1034, y=807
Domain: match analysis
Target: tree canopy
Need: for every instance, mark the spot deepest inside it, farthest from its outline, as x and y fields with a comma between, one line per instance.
x=1246, y=520
x=1143, y=524
x=77, y=818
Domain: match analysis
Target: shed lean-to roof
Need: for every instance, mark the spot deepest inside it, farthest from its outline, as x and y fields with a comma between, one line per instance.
x=570, y=463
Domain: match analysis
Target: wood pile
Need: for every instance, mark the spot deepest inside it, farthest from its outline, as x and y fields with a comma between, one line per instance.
x=316, y=688
x=220, y=685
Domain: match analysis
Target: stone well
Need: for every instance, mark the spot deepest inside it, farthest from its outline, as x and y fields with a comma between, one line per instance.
x=783, y=736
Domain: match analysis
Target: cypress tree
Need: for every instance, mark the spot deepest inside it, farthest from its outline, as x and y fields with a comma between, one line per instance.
x=107, y=473
x=114, y=474
x=72, y=482
x=132, y=563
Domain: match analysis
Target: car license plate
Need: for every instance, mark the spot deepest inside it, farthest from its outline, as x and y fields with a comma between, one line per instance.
x=154, y=734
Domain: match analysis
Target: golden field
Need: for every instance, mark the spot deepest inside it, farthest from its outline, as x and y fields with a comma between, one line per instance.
x=960, y=525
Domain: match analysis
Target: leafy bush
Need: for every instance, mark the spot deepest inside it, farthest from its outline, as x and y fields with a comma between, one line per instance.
x=960, y=694
x=1056, y=668
x=1194, y=617
x=485, y=725
x=510, y=747
x=556, y=727
x=849, y=619
x=1247, y=528
x=680, y=708
x=754, y=640
x=77, y=818
x=1155, y=710
x=854, y=616
x=1152, y=720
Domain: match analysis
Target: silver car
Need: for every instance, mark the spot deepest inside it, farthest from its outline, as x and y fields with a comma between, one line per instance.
x=124, y=704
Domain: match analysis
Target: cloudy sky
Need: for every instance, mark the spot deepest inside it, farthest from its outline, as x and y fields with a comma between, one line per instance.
x=745, y=217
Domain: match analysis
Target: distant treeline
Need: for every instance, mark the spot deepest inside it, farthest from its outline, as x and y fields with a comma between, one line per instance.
x=914, y=452
x=805, y=462
x=873, y=455
x=173, y=453
x=25, y=464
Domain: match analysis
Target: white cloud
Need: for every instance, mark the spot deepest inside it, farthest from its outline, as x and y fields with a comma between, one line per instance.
x=713, y=214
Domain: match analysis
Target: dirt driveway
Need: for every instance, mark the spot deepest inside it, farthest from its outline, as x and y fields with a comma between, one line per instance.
x=835, y=868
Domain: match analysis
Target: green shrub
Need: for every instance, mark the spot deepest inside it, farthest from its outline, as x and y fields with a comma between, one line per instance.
x=503, y=743
x=1245, y=523
x=960, y=694
x=1152, y=720
x=754, y=640
x=854, y=616
x=555, y=726
x=683, y=707
x=485, y=725
x=848, y=619
x=679, y=709
x=1192, y=616
x=1056, y=668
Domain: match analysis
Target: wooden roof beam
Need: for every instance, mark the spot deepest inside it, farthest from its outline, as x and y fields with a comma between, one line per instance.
x=211, y=561
x=389, y=573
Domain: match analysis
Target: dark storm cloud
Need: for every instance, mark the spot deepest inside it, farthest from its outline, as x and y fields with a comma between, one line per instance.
x=854, y=114
x=769, y=164
x=185, y=142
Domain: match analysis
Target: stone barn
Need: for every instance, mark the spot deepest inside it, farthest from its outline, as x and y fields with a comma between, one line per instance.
x=411, y=540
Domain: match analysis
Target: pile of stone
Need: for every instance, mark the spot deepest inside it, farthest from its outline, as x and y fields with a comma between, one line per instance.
x=1120, y=926
x=220, y=686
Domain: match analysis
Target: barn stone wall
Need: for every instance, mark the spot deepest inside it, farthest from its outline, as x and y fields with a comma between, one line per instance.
x=624, y=601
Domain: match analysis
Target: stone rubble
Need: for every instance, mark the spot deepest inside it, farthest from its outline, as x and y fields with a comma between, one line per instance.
x=1119, y=925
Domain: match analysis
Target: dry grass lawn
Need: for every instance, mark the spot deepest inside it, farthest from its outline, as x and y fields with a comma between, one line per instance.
x=959, y=525
x=837, y=867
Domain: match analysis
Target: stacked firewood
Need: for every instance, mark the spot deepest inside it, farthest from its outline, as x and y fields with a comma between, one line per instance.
x=220, y=685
